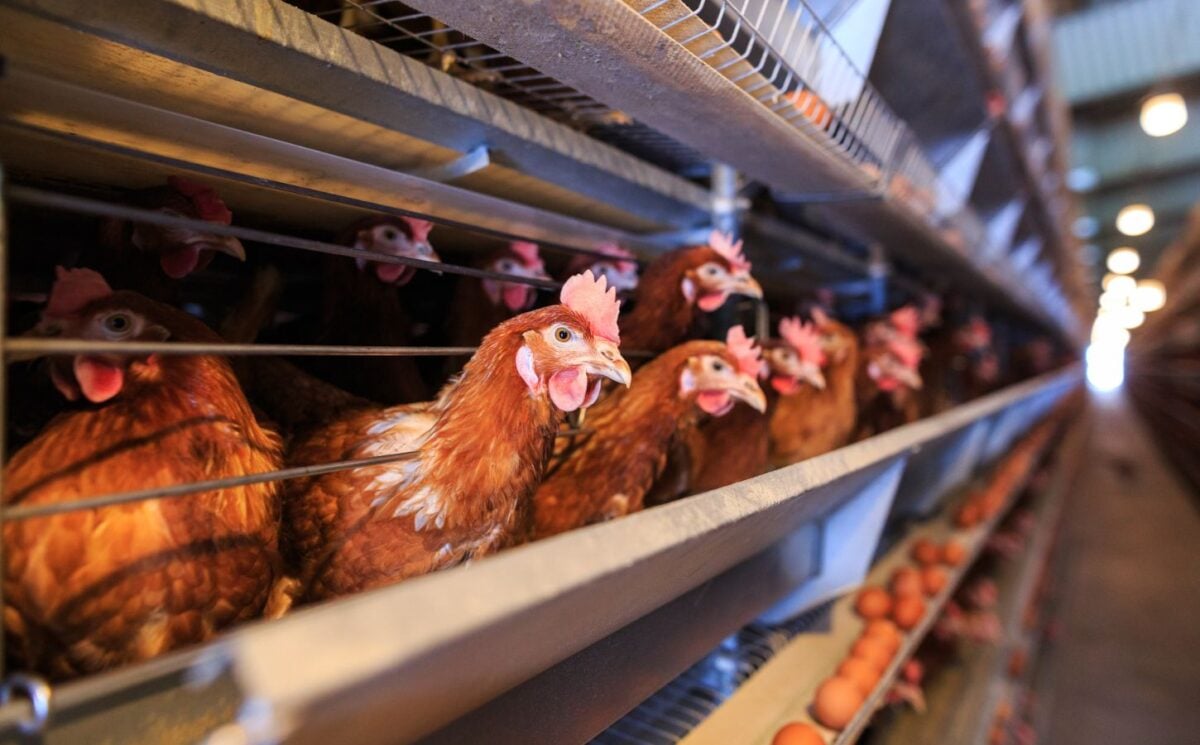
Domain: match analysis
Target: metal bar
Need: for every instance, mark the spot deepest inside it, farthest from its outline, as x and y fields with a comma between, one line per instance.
x=658, y=89
x=84, y=205
x=23, y=347
x=13, y=514
x=3, y=386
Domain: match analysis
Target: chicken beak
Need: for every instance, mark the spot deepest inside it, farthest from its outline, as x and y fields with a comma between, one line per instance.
x=429, y=255
x=748, y=392
x=609, y=363
x=743, y=284
x=811, y=373
x=228, y=245
x=908, y=377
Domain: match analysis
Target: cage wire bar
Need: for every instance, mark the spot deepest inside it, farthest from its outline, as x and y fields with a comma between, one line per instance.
x=424, y=38
x=774, y=52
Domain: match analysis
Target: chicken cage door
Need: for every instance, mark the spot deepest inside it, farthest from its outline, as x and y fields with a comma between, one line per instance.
x=849, y=536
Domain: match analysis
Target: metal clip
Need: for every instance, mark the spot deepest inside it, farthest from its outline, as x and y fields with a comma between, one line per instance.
x=37, y=691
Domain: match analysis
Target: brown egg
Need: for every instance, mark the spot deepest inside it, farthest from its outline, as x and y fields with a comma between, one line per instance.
x=906, y=581
x=836, y=702
x=925, y=551
x=967, y=516
x=885, y=631
x=877, y=652
x=798, y=733
x=953, y=553
x=908, y=611
x=933, y=580
x=873, y=602
x=862, y=672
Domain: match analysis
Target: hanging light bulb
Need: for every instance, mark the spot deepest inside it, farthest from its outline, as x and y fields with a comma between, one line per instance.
x=1114, y=301
x=1106, y=332
x=1120, y=284
x=1127, y=317
x=1135, y=219
x=1149, y=296
x=1123, y=260
x=1164, y=114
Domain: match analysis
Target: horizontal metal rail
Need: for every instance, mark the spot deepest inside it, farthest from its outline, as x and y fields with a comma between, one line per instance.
x=26, y=347
x=40, y=198
x=26, y=512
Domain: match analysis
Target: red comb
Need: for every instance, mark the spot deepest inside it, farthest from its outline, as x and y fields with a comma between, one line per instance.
x=209, y=206
x=593, y=299
x=527, y=252
x=723, y=244
x=906, y=320
x=803, y=337
x=73, y=290
x=420, y=228
x=744, y=350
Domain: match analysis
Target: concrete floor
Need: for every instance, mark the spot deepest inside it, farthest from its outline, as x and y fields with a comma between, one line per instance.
x=1125, y=669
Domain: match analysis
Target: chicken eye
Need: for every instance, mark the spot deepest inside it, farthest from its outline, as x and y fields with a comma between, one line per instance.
x=505, y=266
x=389, y=234
x=563, y=334
x=118, y=323
x=711, y=271
x=718, y=366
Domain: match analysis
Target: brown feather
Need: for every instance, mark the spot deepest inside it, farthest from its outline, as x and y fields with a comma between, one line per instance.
x=483, y=447
x=613, y=467
x=90, y=590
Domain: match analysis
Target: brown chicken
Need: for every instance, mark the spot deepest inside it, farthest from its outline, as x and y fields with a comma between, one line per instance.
x=817, y=420
x=888, y=381
x=736, y=447
x=132, y=248
x=361, y=307
x=93, y=589
x=482, y=304
x=678, y=284
x=620, y=269
x=480, y=449
x=959, y=365
x=631, y=431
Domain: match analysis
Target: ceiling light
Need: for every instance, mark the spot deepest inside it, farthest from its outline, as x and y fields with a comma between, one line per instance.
x=1149, y=296
x=1164, y=114
x=1123, y=260
x=1107, y=333
x=1114, y=301
x=1118, y=283
x=1127, y=317
x=1135, y=219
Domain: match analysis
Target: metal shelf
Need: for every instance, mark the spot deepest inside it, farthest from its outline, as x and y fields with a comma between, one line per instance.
x=672, y=63
x=283, y=76
x=336, y=670
x=963, y=698
x=781, y=691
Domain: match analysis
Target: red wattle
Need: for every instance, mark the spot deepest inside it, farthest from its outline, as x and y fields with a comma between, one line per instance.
x=517, y=297
x=569, y=388
x=710, y=301
x=181, y=262
x=716, y=403
x=99, y=380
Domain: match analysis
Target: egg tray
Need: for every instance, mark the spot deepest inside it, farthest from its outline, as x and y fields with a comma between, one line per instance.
x=783, y=689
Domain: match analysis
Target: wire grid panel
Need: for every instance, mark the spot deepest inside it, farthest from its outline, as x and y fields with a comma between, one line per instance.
x=681, y=705
x=781, y=53
x=426, y=39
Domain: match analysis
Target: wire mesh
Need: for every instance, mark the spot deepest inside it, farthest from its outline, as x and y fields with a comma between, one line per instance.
x=681, y=705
